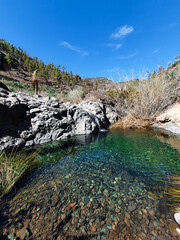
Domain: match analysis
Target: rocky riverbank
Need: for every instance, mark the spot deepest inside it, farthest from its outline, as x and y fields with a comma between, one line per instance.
x=170, y=119
x=26, y=120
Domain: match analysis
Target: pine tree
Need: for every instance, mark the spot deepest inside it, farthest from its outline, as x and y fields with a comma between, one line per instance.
x=58, y=77
x=59, y=67
x=63, y=68
x=19, y=61
x=15, y=52
x=8, y=59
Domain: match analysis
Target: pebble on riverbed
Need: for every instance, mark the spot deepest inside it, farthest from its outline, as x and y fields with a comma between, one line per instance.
x=85, y=204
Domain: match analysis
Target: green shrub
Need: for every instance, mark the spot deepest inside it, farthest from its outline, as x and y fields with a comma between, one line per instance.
x=175, y=63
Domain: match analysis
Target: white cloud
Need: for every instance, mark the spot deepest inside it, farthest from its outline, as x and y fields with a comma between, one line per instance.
x=114, y=45
x=136, y=52
x=156, y=50
x=74, y=48
x=118, y=46
x=168, y=26
x=122, y=32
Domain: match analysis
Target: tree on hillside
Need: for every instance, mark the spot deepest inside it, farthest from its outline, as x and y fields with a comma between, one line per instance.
x=20, y=49
x=59, y=67
x=96, y=85
x=11, y=49
x=58, y=77
x=8, y=59
x=18, y=58
x=35, y=82
x=63, y=68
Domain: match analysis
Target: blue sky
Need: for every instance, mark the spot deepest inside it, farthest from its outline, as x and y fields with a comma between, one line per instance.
x=95, y=38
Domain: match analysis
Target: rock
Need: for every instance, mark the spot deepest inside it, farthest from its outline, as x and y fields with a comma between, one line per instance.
x=111, y=115
x=132, y=206
x=173, y=226
x=104, y=115
x=151, y=213
x=26, y=120
x=93, y=228
x=127, y=177
x=63, y=217
x=11, y=236
x=54, y=200
x=177, y=217
x=23, y=233
x=170, y=119
x=86, y=201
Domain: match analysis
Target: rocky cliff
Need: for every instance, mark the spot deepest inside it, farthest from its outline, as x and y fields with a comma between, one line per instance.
x=26, y=120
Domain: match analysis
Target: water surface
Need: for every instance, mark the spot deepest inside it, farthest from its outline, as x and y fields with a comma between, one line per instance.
x=107, y=186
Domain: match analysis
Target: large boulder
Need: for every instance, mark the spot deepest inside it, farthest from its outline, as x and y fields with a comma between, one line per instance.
x=26, y=120
x=170, y=119
x=105, y=115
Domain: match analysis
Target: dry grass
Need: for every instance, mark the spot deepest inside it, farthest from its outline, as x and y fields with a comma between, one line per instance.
x=12, y=168
x=151, y=97
x=131, y=122
x=146, y=98
x=138, y=102
x=75, y=95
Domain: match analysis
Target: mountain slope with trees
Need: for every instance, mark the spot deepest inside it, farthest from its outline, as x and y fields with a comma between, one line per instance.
x=17, y=67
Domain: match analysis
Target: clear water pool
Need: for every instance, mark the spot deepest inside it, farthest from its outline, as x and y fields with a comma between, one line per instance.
x=108, y=186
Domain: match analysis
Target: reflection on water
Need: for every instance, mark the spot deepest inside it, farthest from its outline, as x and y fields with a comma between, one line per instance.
x=107, y=186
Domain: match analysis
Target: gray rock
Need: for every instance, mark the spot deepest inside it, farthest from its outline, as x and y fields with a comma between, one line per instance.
x=24, y=233
x=26, y=120
x=11, y=236
x=132, y=206
x=98, y=111
x=170, y=119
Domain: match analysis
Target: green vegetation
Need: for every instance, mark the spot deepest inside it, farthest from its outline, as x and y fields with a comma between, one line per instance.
x=173, y=190
x=146, y=98
x=16, y=58
x=16, y=86
x=142, y=98
x=13, y=165
x=51, y=92
x=76, y=95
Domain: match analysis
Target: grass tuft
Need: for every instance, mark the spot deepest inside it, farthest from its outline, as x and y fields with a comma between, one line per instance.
x=174, y=192
x=13, y=165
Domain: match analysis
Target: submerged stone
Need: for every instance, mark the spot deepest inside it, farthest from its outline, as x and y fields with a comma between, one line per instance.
x=86, y=201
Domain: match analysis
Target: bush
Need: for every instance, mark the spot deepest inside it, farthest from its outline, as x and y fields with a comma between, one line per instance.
x=76, y=95
x=148, y=98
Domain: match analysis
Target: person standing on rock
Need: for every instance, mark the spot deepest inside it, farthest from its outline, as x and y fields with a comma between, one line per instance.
x=35, y=82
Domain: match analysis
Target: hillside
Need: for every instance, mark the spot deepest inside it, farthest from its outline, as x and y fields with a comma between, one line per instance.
x=17, y=67
x=143, y=98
